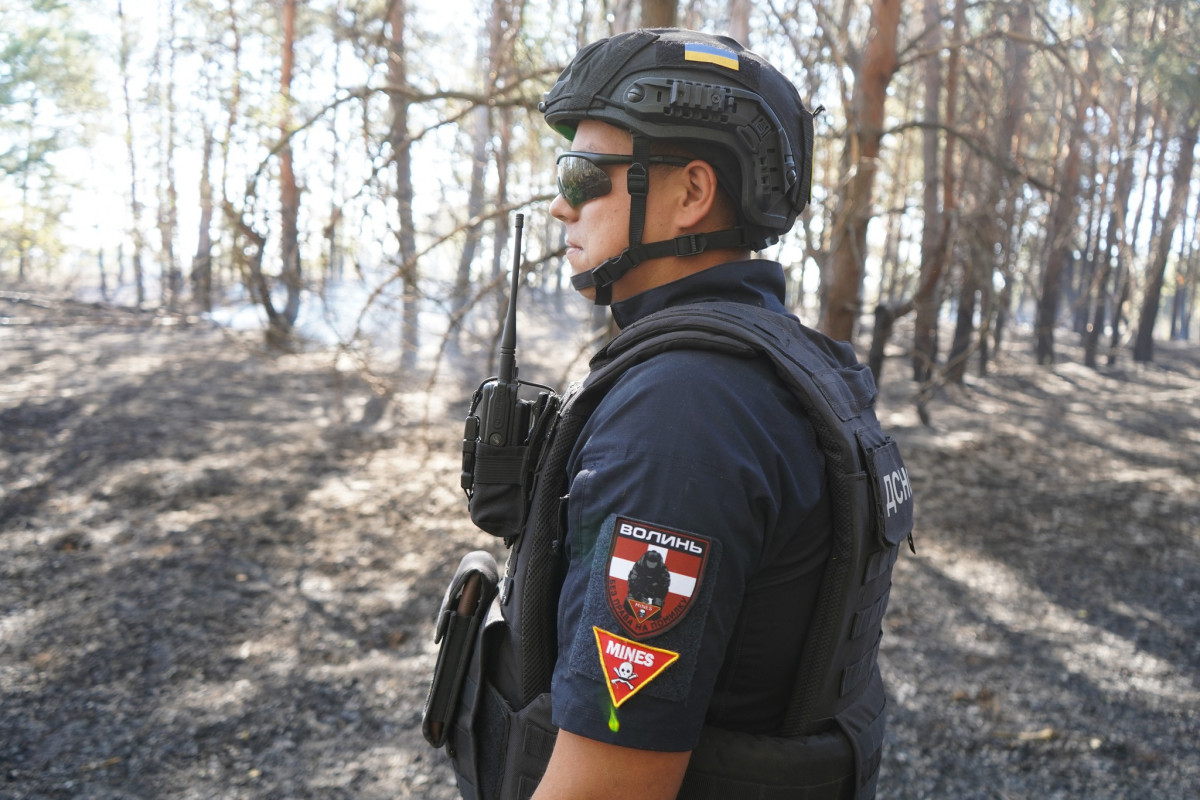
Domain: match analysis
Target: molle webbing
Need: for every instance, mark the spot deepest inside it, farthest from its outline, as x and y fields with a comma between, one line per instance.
x=536, y=568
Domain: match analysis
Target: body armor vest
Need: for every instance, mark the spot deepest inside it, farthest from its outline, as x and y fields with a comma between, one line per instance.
x=831, y=740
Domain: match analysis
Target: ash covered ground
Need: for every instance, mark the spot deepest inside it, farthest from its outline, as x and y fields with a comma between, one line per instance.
x=218, y=572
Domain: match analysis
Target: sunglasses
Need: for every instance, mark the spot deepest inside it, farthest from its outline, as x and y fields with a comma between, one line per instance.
x=581, y=176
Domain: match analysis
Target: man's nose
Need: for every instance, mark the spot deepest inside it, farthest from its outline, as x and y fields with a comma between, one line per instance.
x=560, y=209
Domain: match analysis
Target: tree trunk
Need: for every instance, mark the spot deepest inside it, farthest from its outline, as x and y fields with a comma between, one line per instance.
x=332, y=270
x=1159, y=130
x=1143, y=348
x=1185, y=278
x=863, y=144
x=964, y=323
x=201, y=272
x=739, y=21
x=933, y=232
x=893, y=278
x=249, y=249
x=497, y=59
x=1114, y=236
x=885, y=321
x=975, y=260
x=1191, y=288
x=231, y=120
x=1124, y=290
x=1063, y=223
x=168, y=214
x=1016, y=69
x=1082, y=284
x=659, y=13
x=135, y=206
x=289, y=193
x=1176, y=316
x=481, y=136
x=402, y=153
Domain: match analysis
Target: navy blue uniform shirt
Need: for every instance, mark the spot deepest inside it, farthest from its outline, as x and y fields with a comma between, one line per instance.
x=697, y=532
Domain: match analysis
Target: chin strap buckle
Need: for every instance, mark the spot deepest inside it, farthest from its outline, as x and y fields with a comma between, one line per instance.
x=690, y=244
x=606, y=274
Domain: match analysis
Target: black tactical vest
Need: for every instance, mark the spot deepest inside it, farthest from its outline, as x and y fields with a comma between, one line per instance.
x=831, y=741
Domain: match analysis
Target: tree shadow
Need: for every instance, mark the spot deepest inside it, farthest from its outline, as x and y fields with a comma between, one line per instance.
x=1046, y=635
x=177, y=613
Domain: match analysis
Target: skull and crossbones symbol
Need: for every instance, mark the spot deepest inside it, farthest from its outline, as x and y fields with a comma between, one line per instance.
x=625, y=674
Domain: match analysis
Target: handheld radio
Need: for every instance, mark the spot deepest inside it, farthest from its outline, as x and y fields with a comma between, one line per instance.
x=504, y=411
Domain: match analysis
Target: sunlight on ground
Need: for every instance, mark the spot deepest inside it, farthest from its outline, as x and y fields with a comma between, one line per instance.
x=1111, y=662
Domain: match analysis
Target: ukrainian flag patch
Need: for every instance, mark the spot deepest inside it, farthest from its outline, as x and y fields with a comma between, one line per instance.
x=710, y=55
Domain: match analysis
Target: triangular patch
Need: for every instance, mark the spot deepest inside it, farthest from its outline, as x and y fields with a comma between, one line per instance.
x=629, y=665
x=643, y=611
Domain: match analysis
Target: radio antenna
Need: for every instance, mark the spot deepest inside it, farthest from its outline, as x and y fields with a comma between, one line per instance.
x=508, y=339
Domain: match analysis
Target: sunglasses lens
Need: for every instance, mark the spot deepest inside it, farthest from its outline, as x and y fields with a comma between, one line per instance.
x=579, y=180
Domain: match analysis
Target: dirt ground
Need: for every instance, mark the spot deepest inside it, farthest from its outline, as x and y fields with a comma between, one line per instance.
x=217, y=579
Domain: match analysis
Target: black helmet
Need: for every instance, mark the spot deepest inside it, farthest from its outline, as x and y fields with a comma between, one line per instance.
x=708, y=95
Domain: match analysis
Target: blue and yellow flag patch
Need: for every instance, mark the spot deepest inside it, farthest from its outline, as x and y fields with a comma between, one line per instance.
x=710, y=55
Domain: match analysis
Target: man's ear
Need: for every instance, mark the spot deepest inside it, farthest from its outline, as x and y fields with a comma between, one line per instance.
x=699, y=189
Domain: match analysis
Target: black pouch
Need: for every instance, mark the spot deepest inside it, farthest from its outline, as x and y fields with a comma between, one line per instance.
x=841, y=763
x=498, y=751
x=498, y=501
x=502, y=476
x=729, y=764
x=467, y=600
x=526, y=740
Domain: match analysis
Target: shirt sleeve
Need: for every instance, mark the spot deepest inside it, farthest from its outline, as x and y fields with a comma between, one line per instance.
x=681, y=466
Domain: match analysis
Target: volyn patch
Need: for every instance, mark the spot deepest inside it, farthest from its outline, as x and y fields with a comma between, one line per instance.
x=627, y=665
x=653, y=575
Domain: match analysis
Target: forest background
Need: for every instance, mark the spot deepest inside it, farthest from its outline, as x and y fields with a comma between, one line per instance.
x=253, y=258
x=359, y=162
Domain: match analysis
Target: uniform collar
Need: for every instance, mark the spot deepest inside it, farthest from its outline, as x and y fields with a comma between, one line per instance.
x=757, y=282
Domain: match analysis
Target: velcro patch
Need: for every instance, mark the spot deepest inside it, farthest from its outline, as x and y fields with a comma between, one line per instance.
x=653, y=574
x=628, y=665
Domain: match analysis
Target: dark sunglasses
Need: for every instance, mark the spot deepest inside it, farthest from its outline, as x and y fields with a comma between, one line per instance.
x=581, y=177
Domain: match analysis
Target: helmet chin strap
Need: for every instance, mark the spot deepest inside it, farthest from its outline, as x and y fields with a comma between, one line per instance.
x=612, y=270
x=609, y=272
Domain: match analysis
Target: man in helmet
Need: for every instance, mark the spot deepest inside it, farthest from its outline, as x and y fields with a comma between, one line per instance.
x=687, y=152
x=681, y=97
x=699, y=462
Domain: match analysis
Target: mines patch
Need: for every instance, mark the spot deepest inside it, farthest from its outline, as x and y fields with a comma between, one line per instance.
x=653, y=575
x=627, y=665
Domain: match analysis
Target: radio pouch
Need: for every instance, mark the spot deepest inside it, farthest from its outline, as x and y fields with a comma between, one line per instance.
x=497, y=504
x=463, y=608
x=502, y=475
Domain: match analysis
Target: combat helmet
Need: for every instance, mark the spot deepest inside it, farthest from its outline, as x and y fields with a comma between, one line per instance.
x=710, y=96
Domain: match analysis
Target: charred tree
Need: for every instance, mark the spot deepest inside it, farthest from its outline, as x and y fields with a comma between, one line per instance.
x=1143, y=348
x=1112, y=247
x=202, y=272
x=135, y=205
x=935, y=231
x=168, y=208
x=289, y=192
x=401, y=144
x=1063, y=223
